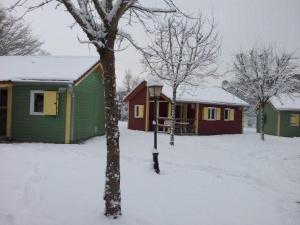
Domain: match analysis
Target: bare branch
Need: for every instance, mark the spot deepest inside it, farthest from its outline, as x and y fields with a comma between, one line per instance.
x=16, y=38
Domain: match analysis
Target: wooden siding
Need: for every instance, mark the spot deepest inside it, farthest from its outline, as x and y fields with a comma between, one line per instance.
x=89, y=116
x=272, y=127
x=270, y=120
x=139, y=99
x=33, y=128
x=212, y=127
x=286, y=130
x=68, y=125
x=139, y=95
x=9, y=112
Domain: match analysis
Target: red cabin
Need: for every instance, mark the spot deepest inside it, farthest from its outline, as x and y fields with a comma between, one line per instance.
x=199, y=111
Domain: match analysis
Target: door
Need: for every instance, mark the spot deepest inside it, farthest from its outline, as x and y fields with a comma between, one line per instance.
x=3, y=111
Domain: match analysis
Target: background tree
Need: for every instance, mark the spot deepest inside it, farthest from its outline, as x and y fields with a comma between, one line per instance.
x=128, y=83
x=182, y=52
x=249, y=112
x=260, y=74
x=16, y=37
x=99, y=20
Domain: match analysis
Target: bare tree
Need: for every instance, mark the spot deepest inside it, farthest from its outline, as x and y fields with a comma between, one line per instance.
x=129, y=81
x=183, y=51
x=99, y=20
x=260, y=74
x=249, y=112
x=16, y=38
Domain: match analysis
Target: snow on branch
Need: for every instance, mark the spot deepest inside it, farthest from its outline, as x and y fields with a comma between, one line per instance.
x=152, y=10
x=260, y=74
x=99, y=19
x=182, y=51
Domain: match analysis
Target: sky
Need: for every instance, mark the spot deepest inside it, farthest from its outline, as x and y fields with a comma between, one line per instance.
x=241, y=24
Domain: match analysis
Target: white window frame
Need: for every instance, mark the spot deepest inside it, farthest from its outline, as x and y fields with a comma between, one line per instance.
x=209, y=113
x=32, y=112
x=227, y=109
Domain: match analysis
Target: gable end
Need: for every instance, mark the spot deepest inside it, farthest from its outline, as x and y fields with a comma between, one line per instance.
x=97, y=66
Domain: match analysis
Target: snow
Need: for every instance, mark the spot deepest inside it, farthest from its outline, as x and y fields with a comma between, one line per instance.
x=211, y=95
x=211, y=180
x=44, y=68
x=114, y=10
x=154, y=82
x=286, y=102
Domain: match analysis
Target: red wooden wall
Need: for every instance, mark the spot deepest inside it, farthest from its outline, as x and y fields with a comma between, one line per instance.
x=211, y=127
x=138, y=99
x=204, y=127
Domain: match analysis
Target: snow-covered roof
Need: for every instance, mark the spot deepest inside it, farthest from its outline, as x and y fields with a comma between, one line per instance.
x=154, y=82
x=286, y=102
x=210, y=95
x=44, y=68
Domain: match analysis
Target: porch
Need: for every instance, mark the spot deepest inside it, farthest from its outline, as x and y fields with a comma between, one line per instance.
x=186, y=121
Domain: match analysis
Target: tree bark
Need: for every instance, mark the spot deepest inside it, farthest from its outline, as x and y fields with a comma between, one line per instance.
x=172, y=133
x=262, y=121
x=112, y=193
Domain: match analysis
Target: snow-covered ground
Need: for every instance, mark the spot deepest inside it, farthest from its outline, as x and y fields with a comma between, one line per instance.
x=209, y=180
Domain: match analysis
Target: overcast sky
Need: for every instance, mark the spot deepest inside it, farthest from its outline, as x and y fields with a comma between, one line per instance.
x=241, y=24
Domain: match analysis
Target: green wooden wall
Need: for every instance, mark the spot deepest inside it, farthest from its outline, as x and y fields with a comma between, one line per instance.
x=285, y=129
x=28, y=128
x=89, y=118
x=270, y=122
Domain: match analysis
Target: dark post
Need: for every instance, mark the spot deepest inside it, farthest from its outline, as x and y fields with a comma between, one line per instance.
x=155, y=152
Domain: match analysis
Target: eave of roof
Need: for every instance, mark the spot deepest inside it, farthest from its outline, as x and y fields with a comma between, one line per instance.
x=63, y=81
x=55, y=82
x=134, y=91
x=143, y=83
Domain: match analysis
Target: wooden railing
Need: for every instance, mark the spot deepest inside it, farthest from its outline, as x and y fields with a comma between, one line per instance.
x=181, y=127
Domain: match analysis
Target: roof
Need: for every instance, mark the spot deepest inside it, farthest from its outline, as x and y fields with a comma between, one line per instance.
x=286, y=102
x=209, y=95
x=44, y=68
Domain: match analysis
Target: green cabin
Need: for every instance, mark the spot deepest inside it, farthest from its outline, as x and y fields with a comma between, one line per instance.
x=51, y=99
x=282, y=116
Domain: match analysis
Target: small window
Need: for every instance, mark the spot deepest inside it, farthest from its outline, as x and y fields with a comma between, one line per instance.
x=138, y=111
x=226, y=114
x=294, y=120
x=212, y=113
x=37, y=103
x=44, y=103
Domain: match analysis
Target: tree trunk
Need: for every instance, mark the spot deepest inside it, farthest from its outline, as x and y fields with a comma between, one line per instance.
x=262, y=121
x=172, y=133
x=112, y=193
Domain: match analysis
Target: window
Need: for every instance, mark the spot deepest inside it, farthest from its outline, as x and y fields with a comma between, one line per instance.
x=228, y=114
x=138, y=111
x=294, y=120
x=44, y=103
x=211, y=113
x=37, y=103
